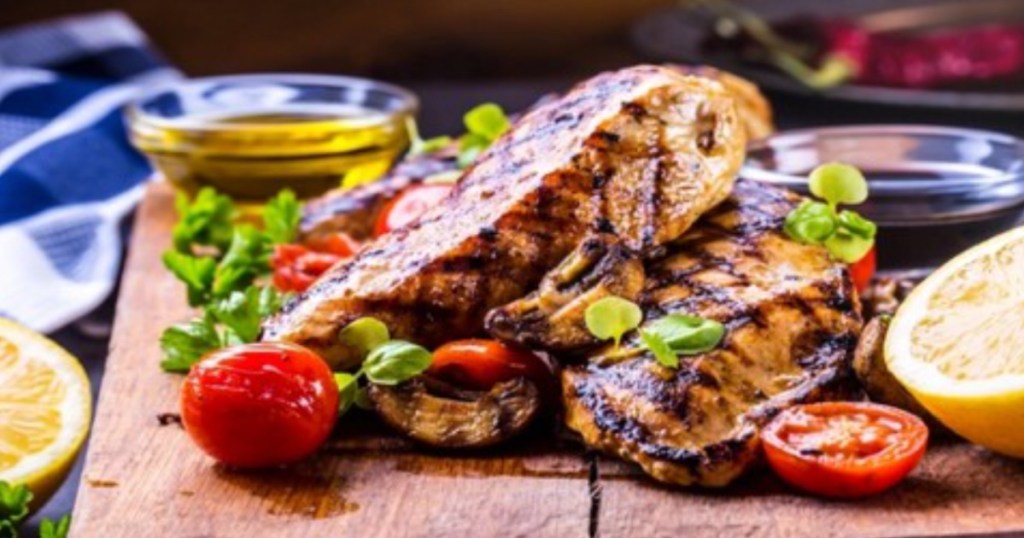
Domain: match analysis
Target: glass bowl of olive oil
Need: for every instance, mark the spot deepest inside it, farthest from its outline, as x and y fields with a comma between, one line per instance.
x=249, y=136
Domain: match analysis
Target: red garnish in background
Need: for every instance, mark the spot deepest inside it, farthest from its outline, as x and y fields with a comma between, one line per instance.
x=297, y=266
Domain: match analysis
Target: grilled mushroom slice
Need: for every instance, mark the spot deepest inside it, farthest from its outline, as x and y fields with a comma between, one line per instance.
x=552, y=317
x=437, y=414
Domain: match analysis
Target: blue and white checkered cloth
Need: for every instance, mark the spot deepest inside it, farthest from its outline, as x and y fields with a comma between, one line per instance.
x=68, y=175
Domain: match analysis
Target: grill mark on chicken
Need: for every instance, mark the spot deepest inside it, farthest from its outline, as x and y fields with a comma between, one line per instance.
x=435, y=279
x=791, y=323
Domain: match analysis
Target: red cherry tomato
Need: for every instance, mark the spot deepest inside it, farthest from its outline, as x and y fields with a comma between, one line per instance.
x=863, y=270
x=259, y=405
x=338, y=243
x=844, y=449
x=481, y=364
x=409, y=205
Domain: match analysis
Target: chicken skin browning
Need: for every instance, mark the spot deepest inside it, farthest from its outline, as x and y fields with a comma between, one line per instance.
x=638, y=153
x=792, y=324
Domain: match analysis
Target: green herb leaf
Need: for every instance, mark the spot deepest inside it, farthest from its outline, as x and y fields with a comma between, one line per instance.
x=662, y=352
x=206, y=220
x=363, y=400
x=811, y=222
x=49, y=529
x=418, y=146
x=281, y=217
x=612, y=317
x=839, y=183
x=687, y=334
x=365, y=334
x=848, y=248
x=852, y=222
x=395, y=361
x=183, y=345
x=13, y=507
x=247, y=258
x=243, y=312
x=196, y=272
x=487, y=120
x=347, y=389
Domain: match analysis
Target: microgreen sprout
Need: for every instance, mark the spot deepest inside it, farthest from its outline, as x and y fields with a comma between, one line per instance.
x=386, y=361
x=846, y=234
x=612, y=317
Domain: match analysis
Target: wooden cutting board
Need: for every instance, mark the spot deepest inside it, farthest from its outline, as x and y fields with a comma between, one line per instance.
x=145, y=479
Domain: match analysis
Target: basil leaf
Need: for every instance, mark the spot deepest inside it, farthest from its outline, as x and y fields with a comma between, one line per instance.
x=197, y=273
x=395, y=361
x=347, y=389
x=848, y=248
x=281, y=217
x=183, y=345
x=662, y=352
x=811, y=222
x=839, y=183
x=852, y=222
x=612, y=317
x=687, y=334
x=365, y=334
x=486, y=120
x=362, y=399
x=418, y=146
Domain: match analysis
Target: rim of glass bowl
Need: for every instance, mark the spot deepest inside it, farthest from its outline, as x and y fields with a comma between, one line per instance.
x=787, y=140
x=408, y=102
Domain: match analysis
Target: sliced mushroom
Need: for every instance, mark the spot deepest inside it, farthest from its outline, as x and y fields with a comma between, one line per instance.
x=874, y=375
x=457, y=418
x=552, y=317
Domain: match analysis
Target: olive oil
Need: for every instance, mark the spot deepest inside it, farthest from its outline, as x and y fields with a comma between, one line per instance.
x=250, y=136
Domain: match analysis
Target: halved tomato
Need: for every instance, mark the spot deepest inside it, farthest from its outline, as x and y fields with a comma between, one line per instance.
x=481, y=364
x=844, y=449
x=296, y=266
x=409, y=205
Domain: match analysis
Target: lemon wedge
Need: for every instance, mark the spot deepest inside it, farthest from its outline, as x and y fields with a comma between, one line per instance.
x=45, y=407
x=957, y=344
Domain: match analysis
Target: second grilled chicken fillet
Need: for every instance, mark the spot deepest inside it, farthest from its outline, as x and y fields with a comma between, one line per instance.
x=639, y=153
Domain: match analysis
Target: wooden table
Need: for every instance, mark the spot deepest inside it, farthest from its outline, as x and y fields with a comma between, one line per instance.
x=144, y=479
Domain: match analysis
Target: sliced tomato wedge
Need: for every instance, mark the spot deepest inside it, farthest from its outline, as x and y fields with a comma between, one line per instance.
x=338, y=243
x=409, y=205
x=296, y=266
x=481, y=364
x=863, y=270
x=844, y=449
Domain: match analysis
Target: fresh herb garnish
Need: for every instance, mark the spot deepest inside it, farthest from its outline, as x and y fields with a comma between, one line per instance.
x=418, y=146
x=847, y=235
x=14, y=501
x=612, y=317
x=484, y=124
x=666, y=337
x=58, y=529
x=221, y=260
x=387, y=361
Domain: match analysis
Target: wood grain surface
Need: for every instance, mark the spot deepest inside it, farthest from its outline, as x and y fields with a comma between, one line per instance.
x=144, y=479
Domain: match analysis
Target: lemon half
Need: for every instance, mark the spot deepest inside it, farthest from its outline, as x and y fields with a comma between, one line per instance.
x=957, y=344
x=45, y=407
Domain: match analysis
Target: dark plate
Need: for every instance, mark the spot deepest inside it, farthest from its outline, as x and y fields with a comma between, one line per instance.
x=676, y=35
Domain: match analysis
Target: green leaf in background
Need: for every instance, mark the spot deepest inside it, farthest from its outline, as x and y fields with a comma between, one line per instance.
x=612, y=317
x=348, y=387
x=207, y=220
x=687, y=334
x=13, y=507
x=197, y=273
x=243, y=312
x=662, y=352
x=418, y=146
x=58, y=529
x=247, y=258
x=281, y=217
x=396, y=361
x=839, y=183
x=486, y=120
x=811, y=222
x=184, y=344
x=365, y=334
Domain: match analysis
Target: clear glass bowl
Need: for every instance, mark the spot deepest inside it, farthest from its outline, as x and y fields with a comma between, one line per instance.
x=253, y=135
x=935, y=191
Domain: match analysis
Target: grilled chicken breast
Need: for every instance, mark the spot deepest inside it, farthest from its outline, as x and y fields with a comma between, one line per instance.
x=792, y=325
x=639, y=153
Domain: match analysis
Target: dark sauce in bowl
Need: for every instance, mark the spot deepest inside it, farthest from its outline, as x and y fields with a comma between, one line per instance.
x=935, y=191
